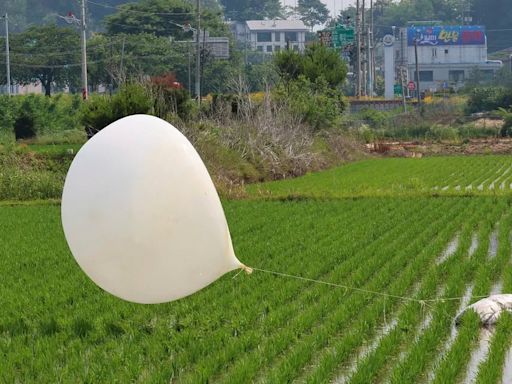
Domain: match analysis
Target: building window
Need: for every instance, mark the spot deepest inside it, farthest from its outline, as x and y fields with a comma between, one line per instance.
x=277, y=48
x=259, y=48
x=445, y=51
x=263, y=37
x=434, y=52
x=456, y=76
x=425, y=76
x=269, y=48
x=277, y=36
x=290, y=36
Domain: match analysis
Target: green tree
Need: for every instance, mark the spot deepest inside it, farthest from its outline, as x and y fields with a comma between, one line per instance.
x=312, y=12
x=316, y=62
x=496, y=15
x=46, y=54
x=242, y=10
x=162, y=18
x=115, y=59
x=289, y=64
x=321, y=61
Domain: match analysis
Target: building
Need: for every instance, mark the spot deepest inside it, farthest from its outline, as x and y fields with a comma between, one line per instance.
x=270, y=36
x=217, y=46
x=447, y=55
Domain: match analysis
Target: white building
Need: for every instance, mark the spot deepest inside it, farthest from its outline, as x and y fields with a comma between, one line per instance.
x=272, y=35
x=446, y=55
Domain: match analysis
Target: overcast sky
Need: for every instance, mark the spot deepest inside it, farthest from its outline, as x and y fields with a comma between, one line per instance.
x=333, y=5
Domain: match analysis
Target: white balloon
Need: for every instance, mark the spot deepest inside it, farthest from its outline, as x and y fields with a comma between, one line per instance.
x=141, y=214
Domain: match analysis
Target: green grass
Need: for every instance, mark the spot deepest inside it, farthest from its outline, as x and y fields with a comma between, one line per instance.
x=475, y=175
x=363, y=230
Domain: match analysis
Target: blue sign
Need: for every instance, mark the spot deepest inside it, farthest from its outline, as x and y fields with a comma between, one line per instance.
x=449, y=35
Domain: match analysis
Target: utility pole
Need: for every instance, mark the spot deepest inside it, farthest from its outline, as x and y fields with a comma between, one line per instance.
x=364, y=49
x=403, y=81
x=84, y=52
x=7, y=57
x=121, y=67
x=358, y=50
x=417, y=72
x=198, y=54
x=372, y=52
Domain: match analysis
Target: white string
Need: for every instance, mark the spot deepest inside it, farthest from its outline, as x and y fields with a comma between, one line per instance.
x=422, y=302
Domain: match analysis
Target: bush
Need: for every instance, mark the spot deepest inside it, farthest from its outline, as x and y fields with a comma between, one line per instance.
x=374, y=117
x=313, y=103
x=38, y=115
x=170, y=98
x=488, y=99
x=439, y=132
x=24, y=125
x=100, y=111
x=506, y=114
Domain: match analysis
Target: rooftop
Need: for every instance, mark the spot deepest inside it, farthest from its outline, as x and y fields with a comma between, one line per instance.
x=281, y=25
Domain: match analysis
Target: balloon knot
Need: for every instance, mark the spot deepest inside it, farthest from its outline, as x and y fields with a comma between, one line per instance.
x=247, y=269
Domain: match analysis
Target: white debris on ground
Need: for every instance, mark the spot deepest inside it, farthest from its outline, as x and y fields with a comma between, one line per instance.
x=490, y=308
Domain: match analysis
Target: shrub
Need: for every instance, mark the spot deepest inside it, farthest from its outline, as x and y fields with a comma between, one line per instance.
x=313, y=103
x=439, y=132
x=100, y=111
x=170, y=98
x=24, y=125
x=506, y=114
x=38, y=114
x=374, y=117
x=488, y=99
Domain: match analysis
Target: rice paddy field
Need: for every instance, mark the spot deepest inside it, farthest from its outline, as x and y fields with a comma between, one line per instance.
x=415, y=252
x=462, y=175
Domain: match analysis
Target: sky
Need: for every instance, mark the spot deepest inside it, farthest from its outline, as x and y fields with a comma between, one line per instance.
x=332, y=5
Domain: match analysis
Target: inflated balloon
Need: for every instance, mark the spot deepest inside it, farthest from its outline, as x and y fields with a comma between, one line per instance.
x=141, y=214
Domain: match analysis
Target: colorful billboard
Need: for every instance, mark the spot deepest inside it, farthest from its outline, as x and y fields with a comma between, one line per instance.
x=448, y=35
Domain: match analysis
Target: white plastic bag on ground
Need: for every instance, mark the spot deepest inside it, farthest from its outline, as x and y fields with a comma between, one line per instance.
x=490, y=308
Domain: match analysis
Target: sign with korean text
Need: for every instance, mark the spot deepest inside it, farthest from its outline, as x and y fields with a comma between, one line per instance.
x=447, y=35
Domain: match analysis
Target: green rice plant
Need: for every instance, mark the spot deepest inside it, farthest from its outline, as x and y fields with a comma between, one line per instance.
x=295, y=311
x=342, y=314
x=452, y=366
x=490, y=371
x=425, y=349
x=400, y=176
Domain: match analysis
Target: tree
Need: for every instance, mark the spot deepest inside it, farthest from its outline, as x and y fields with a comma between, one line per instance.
x=497, y=16
x=115, y=59
x=317, y=62
x=242, y=10
x=321, y=61
x=46, y=54
x=312, y=12
x=162, y=18
x=289, y=64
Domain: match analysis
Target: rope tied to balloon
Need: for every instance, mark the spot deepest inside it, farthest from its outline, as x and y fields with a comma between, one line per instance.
x=422, y=302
